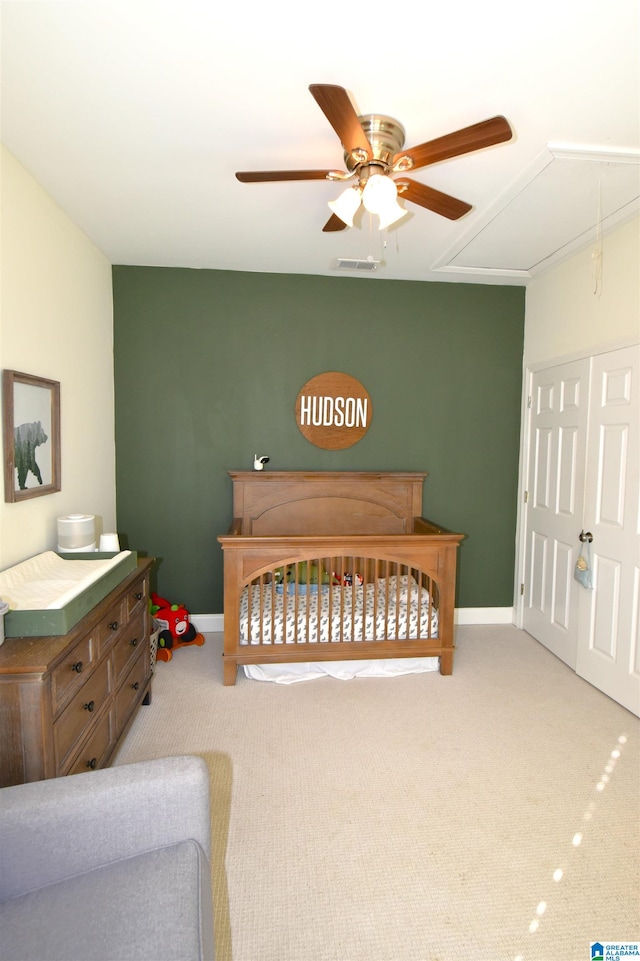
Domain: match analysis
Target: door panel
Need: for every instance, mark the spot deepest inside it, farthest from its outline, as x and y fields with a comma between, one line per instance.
x=564, y=562
x=542, y=483
x=612, y=474
x=557, y=439
x=568, y=451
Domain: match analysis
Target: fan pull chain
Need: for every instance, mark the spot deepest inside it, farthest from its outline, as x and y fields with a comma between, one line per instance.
x=596, y=254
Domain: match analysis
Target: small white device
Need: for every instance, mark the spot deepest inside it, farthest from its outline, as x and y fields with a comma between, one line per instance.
x=259, y=462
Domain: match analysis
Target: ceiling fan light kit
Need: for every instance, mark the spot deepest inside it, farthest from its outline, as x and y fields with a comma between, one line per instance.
x=392, y=215
x=346, y=205
x=380, y=196
x=373, y=152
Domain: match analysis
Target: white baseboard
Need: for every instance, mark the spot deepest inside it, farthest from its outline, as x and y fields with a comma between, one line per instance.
x=484, y=615
x=208, y=623
x=214, y=623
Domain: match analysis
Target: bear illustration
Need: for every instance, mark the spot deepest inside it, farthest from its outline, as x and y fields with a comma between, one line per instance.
x=26, y=438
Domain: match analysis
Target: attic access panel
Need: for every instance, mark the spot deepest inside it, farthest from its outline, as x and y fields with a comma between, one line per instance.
x=558, y=206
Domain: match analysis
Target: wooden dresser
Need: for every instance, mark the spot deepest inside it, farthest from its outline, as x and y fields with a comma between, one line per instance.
x=66, y=701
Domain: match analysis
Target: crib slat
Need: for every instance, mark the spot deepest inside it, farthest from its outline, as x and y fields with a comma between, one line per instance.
x=342, y=573
x=386, y=602
x=352, y=565
x=249, y=612
x=261, y=605
x=272, y=587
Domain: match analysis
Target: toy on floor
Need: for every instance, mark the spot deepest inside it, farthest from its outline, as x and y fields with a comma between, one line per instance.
x=176, y=629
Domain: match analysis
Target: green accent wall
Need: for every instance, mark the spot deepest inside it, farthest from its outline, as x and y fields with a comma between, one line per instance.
x=208, y=366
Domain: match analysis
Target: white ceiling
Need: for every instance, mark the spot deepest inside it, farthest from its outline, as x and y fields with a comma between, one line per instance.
x=135, y=115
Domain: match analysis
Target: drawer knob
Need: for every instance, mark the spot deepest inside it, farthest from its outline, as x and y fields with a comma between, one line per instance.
x=92, y=763
x=113, y=625
x=90, y=706
x=77, y=667
x=135, y=685
x=139, y=596
x=134, y=642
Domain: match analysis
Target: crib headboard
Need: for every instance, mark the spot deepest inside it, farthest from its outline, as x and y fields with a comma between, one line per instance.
x=275, y=503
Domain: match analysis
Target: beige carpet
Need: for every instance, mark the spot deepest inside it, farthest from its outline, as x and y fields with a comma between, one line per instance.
x=487, y=816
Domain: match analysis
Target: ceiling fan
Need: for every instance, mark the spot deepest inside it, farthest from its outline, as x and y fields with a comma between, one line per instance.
x=374, y=155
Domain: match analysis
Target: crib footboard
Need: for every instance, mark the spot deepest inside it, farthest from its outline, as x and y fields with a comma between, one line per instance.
x=292, y=599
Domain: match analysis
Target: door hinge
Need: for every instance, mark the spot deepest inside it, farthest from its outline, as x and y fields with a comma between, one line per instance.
x=526, y=497
x=529, y=401
x=522, y=588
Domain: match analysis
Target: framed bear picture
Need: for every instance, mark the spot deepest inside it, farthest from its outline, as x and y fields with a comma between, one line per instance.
x=31, y=429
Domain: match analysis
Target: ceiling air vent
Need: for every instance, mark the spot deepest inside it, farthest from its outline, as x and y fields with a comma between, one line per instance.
x=343, y=263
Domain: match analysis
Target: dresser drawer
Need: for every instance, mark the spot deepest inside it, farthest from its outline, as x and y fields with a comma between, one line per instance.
x=72, y=671
x=80, y=713
x=128, y=646
x=137, y=600
x=110, y=625
x=96, y=748
x=132, y=688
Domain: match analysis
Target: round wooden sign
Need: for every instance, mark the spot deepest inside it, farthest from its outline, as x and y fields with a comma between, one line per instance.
x=333, y=411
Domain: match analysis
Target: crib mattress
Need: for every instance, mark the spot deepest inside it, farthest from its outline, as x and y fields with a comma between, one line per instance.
x=50, y=593
x=395, y=608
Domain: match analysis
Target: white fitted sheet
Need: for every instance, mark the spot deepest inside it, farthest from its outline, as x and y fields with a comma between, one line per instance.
x=338, y=613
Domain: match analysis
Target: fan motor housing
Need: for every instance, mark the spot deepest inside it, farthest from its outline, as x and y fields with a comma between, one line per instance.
x=386, y=137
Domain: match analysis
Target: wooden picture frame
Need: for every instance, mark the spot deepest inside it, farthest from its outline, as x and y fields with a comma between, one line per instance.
x=31, y=431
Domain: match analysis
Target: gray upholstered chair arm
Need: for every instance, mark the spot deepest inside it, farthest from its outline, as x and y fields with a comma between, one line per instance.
x=53, y=829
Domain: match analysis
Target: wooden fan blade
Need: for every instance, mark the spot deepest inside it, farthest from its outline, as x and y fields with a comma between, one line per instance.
x=479, y=135
x=337, y=107
x=432, y=199
x=265, y=176
x=334, y=223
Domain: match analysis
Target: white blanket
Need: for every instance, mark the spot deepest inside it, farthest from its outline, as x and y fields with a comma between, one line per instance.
x=343, y=670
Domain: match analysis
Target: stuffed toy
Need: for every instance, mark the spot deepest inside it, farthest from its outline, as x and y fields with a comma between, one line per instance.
x=176, y=629
x=306, y=570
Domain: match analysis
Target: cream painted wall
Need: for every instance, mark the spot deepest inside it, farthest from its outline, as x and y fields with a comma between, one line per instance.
x=565, y=314
x=56, y=321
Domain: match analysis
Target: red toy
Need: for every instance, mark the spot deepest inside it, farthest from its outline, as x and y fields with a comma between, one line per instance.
x=176, y=629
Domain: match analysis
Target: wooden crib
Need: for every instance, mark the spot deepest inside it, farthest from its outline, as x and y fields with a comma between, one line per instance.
x=331, y=566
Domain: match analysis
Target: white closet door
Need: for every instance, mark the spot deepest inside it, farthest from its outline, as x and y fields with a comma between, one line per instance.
x=555, y=494
x=608, y=653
